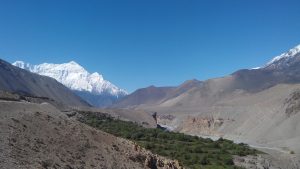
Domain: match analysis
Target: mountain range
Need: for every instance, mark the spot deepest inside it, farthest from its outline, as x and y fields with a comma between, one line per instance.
x=25, y=83
x=90, y=86
x=257, y=106
x=284, y=68
x=260, y=107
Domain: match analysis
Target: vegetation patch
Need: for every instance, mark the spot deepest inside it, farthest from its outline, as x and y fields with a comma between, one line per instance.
x=190, y=151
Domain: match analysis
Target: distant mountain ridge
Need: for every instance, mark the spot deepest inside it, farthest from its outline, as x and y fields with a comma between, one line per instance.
x=153, y=95
x=284, y=68
x=255, y=106
x=285, y=59
x=16, y=80
x=90, y=86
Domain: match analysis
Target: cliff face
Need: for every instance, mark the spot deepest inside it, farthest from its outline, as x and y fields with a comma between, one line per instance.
x=195, y=125
x=153, y=161
x=204, y=125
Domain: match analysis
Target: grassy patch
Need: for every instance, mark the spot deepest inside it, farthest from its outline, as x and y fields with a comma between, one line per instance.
x=190, y=151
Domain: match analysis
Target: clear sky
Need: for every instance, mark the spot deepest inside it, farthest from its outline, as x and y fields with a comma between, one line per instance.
x=137, y=43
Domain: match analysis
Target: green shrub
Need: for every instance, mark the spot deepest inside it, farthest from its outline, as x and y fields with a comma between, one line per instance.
x=228, y=161
x=204, y=161
x=198, y=149
x=191, y=151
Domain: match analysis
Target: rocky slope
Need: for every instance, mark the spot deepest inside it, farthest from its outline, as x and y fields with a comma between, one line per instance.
x=138, y=116
x=90, y=86
x=23, y=82
x=40, y=136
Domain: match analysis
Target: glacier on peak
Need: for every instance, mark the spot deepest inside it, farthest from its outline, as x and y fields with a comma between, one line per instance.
x=287, y=55
x=75, y=77
x=282, y=60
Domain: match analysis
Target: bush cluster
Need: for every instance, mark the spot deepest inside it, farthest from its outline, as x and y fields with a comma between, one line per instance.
x=190, y=151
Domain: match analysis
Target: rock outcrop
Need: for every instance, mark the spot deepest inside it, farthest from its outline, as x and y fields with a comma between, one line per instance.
x=153, y=161
x=293, y=103
x=204, y=125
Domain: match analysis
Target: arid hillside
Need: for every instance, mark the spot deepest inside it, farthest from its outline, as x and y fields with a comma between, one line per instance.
x=40, y=136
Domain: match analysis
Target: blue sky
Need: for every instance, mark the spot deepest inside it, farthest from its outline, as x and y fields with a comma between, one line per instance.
x=138, y=43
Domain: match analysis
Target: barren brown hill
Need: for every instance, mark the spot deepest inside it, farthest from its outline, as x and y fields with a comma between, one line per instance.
x=40, y=136
x=155, y=95
x=151, y=95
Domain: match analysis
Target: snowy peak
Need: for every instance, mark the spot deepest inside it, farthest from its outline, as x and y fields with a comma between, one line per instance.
x=22, y=65
x=284, y=59
x=75, y=77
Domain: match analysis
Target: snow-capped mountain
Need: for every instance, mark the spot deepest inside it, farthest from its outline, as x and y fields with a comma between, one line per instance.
x=285, y=59
x=282, y=69
x=76, y=78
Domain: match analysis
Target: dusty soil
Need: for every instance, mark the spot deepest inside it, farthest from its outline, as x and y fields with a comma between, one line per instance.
x=40, y=136
x=273, y=160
